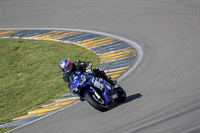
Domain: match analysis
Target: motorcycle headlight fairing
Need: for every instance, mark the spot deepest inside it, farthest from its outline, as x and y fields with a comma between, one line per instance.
x=74, y=90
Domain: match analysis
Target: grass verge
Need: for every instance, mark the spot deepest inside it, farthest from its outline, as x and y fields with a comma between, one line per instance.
x=30, y=75
x=2, y=130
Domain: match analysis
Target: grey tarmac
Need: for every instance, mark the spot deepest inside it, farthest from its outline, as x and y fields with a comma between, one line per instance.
x=168, y=76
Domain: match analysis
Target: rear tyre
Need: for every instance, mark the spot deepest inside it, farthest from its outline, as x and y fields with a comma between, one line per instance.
x=121, y=93
x=97, y=103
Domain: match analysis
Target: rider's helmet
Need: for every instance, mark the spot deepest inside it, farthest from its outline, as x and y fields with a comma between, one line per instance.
x=66, y=66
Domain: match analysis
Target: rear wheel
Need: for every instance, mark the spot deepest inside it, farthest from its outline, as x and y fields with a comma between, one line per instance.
x=121, y=93
x=96, y=102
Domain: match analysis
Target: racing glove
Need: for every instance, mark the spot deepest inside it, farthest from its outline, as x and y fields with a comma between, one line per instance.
x=89, y=68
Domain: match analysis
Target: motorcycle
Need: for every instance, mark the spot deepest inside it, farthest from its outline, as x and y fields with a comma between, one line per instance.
x=96, y=91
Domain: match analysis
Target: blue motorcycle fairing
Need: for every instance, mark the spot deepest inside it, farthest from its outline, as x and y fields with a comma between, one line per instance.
x=73, y=82
x=105, y=87
x=76, y=78
x=89, y=90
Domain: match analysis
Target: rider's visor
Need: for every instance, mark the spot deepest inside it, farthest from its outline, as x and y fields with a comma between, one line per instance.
x=66, y=69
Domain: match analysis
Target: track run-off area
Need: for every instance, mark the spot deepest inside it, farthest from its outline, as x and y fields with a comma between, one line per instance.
x=168, y=32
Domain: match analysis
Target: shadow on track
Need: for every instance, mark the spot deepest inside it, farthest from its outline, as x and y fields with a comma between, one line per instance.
x=128, y=99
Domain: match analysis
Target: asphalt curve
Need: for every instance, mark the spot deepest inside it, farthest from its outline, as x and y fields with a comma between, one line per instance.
x=167, y=78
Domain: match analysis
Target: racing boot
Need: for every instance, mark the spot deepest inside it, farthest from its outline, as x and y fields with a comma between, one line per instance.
x=112, y=82
x=100, y=73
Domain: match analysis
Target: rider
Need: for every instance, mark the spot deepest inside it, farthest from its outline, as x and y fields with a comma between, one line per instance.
x=68, y=67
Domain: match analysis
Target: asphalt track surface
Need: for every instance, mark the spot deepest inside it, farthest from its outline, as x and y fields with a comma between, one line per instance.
x=168, y=77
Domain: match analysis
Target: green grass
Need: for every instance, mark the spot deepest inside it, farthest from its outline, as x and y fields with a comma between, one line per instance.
x=2, y=130
x=30, y=75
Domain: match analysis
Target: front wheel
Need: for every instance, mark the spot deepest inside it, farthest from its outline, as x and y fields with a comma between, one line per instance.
x=121, y=93
x=96, y=102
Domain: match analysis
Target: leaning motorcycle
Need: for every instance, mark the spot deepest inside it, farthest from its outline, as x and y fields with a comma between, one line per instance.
x=96, y=91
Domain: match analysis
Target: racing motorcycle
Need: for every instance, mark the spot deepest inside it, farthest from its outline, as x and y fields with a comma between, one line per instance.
x=96, y=91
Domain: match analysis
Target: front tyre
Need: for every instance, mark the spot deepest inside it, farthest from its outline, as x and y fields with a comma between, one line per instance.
x=97, y=103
